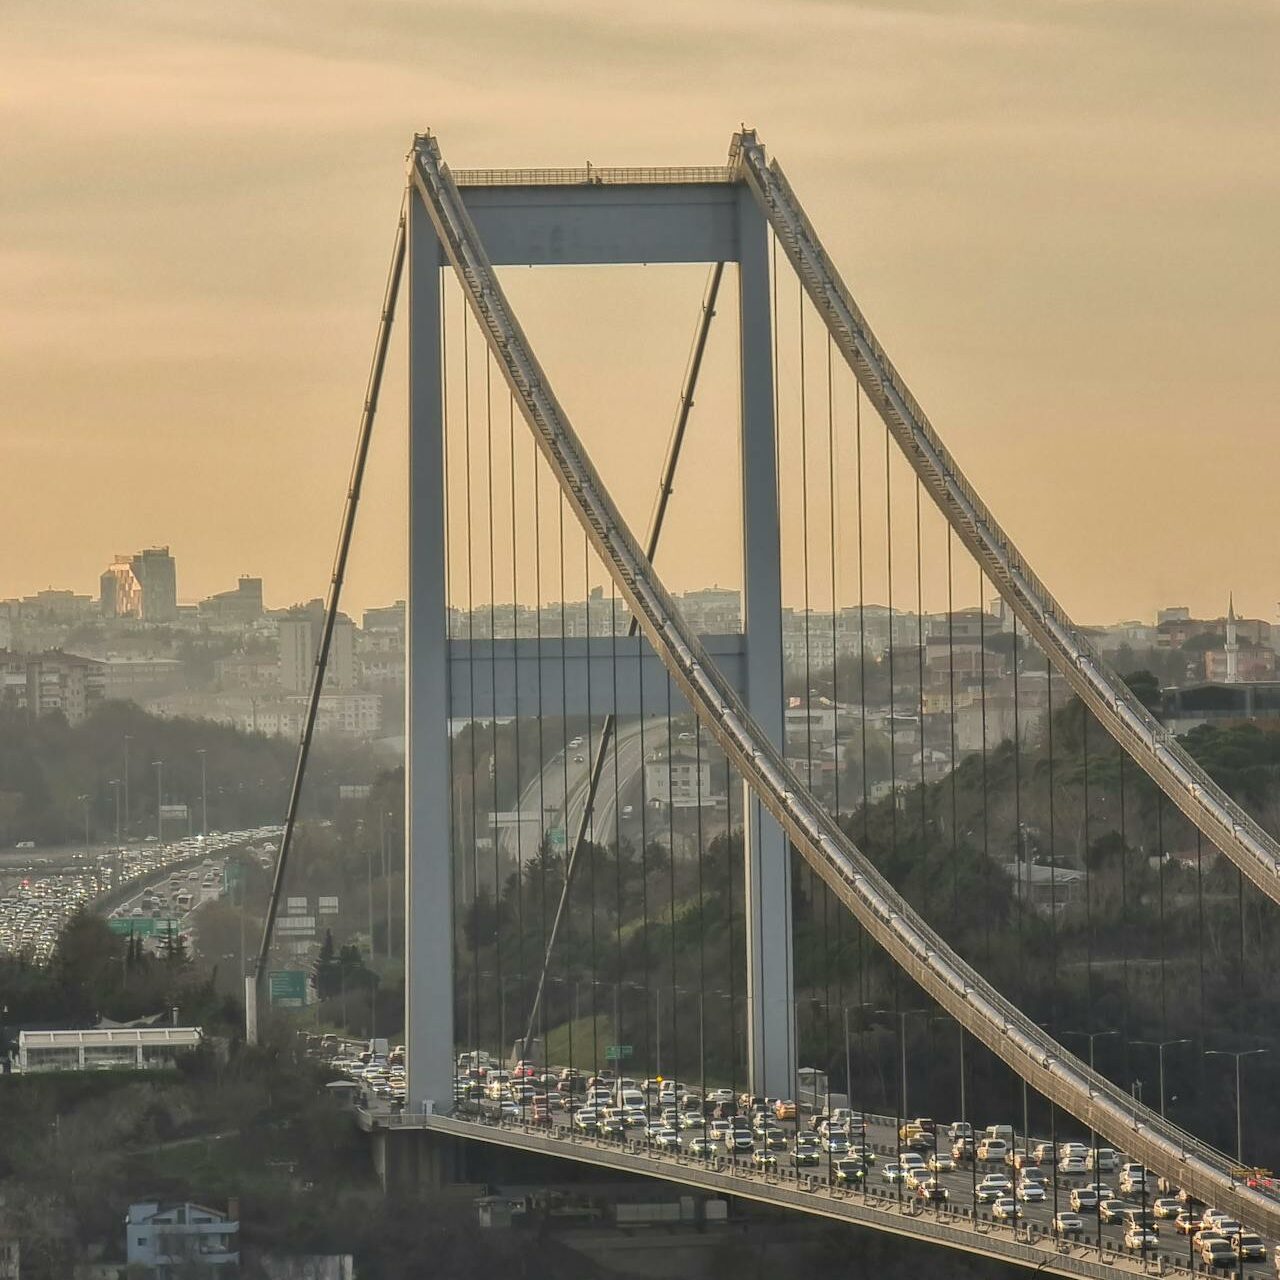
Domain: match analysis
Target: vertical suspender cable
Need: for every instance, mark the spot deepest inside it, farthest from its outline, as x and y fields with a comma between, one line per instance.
x=493, y=711
x=666, y=486
x=336, y=578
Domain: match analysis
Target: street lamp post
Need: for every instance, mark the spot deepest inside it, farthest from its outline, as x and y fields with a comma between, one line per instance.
x=1237, y=1055
x=1092, y=1037
x=204, y=795
x=84, y=800
x=158, y=766
x=114, y=784
x=126, y=781
x=902, y=1015
x=1160, y=1046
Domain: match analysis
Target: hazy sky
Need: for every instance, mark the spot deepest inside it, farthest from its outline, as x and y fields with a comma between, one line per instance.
x=1060, y=215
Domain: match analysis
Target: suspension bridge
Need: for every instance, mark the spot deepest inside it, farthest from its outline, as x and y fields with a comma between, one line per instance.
x=713, y=831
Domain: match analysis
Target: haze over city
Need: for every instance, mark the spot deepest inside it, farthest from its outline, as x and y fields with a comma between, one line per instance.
x=1058, y=214
x=639, y=641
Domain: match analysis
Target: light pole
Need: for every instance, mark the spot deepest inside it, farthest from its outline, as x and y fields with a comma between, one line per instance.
x=126, y=781
x=84, y=800
x=1237, y=1055
x=115, y=786
x=158, y=766
x=902, y=1015
x=204, y=795
x=1092, y=1037
x=1160, y=1046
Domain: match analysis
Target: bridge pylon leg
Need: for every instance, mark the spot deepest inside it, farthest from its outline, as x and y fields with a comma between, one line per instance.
x=429, y=1038
x=770, y=1016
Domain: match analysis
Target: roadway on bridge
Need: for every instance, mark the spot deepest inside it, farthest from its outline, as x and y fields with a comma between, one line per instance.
x=960, y=1183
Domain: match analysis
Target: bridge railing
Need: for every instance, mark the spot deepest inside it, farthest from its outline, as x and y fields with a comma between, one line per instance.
x=945, y=1225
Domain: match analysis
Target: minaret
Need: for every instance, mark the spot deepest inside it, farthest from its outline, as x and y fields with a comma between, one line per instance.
x=1233, y=649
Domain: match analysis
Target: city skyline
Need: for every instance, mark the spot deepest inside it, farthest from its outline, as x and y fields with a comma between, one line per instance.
x=212, y=321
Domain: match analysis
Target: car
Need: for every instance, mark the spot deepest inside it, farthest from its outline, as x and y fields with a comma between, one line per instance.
x=720, y=1095
x=848, y=1171
x=765, y=1160
x=585, y=1120
x=1072, y=1166
x=932, y=1191
x=1249, y=1246
x=1217, y=1252
x=784, y=1109
x=962, y=1149
x=1030, y=1192
x=1006, y=1209
x=1140, y=1239
x=835, y=1143
x=612, y=1127
x=893, y=1173
x=1104, y=1160
x=992, y=1149
x=916, y=1177
x=692, y=1120
x=1228, y=1227
x=1167, y=1207
x=717, y=1129
x=667, y=1140
x=805, y=1156
x=1072, y=1151
x=940, y=1162
x=1111, y=1210
x=1134, y=1179
x=701, y=1148
x=1185, y=1224
x=995, y=1186
x=775, y=1140
x=959, y=1129
x=738, y=1141
x=1068, y=1224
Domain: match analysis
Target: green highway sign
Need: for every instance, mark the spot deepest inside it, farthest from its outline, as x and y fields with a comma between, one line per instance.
x=616, y=1052
x=142, y=926
x=288, y=988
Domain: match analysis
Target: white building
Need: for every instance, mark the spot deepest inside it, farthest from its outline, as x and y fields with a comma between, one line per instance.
x=680, y=781
x=168, y=1240
x=104, y=1048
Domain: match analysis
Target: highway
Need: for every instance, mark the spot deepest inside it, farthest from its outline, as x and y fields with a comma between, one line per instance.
x=545, y=794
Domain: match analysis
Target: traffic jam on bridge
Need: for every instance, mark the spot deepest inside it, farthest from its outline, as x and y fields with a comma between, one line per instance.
x=1078, y=1191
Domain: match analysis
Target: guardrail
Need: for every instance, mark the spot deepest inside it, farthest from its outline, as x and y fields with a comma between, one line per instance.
x=867, y=1207
x=592, y=176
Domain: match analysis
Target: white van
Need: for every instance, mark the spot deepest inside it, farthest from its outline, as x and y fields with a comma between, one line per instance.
x=1002, y=1131
x=992, y=1149
x=1104, y=1160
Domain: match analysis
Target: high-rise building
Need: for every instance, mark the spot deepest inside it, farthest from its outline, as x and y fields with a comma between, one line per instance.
x=299, y=635
x=142, y=586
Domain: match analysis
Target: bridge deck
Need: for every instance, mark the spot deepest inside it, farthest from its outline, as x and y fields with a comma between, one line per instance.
x=787, y=1188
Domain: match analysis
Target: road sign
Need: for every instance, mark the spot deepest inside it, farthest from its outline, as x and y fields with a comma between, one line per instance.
x=173, y=812
x=142, y=926
x=296, y=906
x=555, y=837
x=616, y=1052
x=328, y=906
x=288, y=988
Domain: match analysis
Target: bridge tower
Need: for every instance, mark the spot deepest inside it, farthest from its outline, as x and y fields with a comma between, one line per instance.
x=589, y=217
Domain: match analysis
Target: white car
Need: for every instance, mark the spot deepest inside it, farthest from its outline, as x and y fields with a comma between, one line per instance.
x=1031, y=1192
x=1006, y=1209
x=940, y=1162
x=1072, y=1167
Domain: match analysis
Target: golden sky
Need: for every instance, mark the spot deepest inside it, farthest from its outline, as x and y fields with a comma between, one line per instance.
x=1059, y=215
